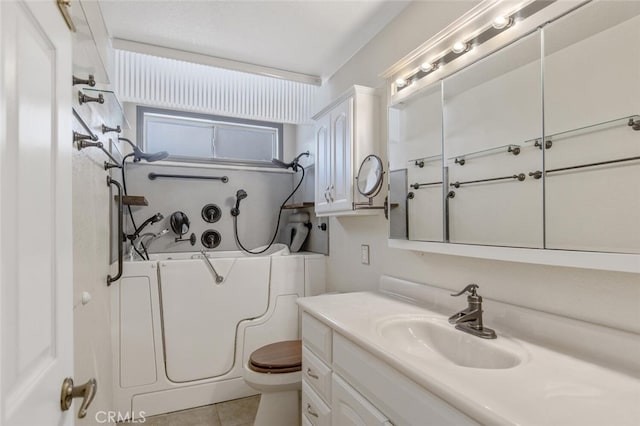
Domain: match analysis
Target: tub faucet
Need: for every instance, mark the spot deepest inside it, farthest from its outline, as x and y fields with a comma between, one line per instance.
x=469, y=320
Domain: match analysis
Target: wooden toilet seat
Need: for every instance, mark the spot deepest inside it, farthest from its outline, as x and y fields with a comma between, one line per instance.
x=276, y=358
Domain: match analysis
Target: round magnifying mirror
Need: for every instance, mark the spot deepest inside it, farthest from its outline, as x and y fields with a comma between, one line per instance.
x=370, y=176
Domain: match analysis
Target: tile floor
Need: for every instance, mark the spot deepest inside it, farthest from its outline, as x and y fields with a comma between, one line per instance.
x=239, y=412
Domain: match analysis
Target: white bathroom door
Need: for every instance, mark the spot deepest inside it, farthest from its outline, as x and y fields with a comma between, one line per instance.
x=36, y=316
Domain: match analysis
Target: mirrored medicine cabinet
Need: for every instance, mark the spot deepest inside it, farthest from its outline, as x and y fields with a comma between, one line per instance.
x=535, y=146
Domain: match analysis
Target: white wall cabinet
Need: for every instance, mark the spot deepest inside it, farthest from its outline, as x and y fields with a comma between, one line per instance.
x=346, y=132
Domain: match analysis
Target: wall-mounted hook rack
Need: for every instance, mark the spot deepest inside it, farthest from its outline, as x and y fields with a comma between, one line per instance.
x=80, y=137
x=82, y=98
x=106, y=129
x=83, y=141
x=91, y=81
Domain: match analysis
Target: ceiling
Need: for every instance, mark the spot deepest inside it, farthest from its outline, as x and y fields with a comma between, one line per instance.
x=305, y=36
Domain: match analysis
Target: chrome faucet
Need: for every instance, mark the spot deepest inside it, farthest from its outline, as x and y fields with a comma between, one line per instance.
x=469, y=320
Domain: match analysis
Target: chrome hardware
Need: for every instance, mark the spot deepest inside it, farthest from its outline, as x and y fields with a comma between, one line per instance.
x=469, y=320
x=310, y=374
x=547, y=144
x=210, y=238
x=89, y=82
x=110, y=182
x=515, y=150
x=87, y=392
x=154, y=176
x=192, y=239
x=410, y=196
x=211, y=213
x=310, y=411
x=330, y=194
x=420, y=185
x=520, y=177
x=536, y=175
x=460, y=161
x=219, y=278
x=106, y=129
x=634, y=124
x=82, y=98
x=419, y=163
x=79, y=137
x=451, y=194
x=322, y=226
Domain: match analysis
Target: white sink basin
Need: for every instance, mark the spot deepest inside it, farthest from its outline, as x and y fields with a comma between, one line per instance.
x=431, y=337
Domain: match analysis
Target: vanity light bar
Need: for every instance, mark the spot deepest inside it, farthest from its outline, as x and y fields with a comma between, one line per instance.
x=498, y=25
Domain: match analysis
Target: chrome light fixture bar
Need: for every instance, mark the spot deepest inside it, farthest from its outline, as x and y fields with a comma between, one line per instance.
x=497, y=26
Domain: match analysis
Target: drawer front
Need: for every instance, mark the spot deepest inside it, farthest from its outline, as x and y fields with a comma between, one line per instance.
x=349, y=408
x=317, y=374
x=305, y=421
x=317, y=337
x=316, y=411
x=401, y=399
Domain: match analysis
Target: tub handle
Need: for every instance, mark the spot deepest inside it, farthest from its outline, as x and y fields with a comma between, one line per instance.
x=219, y=278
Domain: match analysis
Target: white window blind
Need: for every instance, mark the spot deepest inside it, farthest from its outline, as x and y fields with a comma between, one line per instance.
x=151, y=80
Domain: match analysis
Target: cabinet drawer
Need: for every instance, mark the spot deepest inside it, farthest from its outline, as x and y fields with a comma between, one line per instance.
x=401, y=399
x=316, y=411
x=349, y=408
x=316, y=373
x=317, y=337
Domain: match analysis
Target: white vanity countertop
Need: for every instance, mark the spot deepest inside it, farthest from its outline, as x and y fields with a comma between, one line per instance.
x=547, y=388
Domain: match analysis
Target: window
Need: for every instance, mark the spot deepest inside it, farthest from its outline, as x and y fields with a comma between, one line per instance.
x=208, y=138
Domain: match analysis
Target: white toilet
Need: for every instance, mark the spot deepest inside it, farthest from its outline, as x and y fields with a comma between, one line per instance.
x=275, y=371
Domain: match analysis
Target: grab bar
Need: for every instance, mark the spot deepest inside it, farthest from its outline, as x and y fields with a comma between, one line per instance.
x=538, y=174
x=219, y=278
x=154, y=176
x=110, y=182
x=419, y=185
x=520, y=177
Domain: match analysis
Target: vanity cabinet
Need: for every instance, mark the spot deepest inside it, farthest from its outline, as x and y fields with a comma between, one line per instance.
x=343, y=385
x=346, y=131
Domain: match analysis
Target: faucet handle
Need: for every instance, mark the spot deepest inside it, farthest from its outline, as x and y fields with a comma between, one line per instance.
x=471, y=288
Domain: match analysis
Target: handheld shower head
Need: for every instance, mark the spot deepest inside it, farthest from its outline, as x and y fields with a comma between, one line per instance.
x=150, y=221
x=241, y=194
x=293, y=164
x=148, y=157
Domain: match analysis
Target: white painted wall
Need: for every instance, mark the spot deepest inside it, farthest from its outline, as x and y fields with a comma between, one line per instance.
x=607, y=298
x=92, y=322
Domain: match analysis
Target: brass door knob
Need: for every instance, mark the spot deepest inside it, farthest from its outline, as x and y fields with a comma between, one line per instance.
x=87, y=392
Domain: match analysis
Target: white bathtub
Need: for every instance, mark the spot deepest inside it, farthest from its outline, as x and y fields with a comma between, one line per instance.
x=274, y=250
x=180, y=339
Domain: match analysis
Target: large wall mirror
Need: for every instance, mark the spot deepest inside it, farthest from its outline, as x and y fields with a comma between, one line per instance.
x=492, y=117
x=415, y=141
x=535, y=146
x=592, y=91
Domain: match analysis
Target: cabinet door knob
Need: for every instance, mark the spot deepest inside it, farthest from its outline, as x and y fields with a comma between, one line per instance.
x=310, y=374
x=310, y=411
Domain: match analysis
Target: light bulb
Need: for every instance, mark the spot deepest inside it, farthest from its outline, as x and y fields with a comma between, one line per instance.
x=460, y=47
x=401, y=82
x=428, y=66
x=502, y=22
